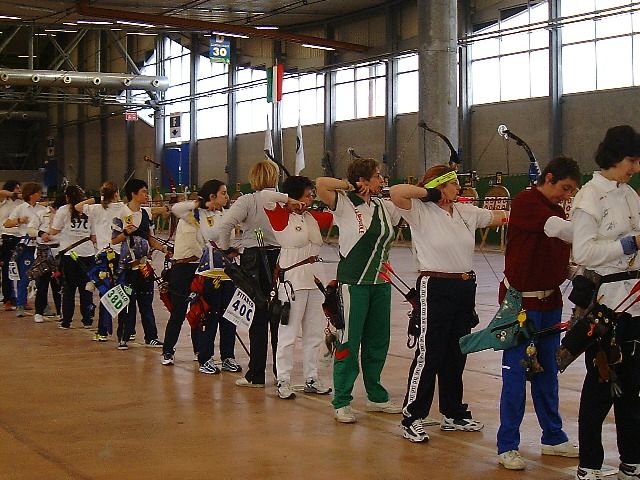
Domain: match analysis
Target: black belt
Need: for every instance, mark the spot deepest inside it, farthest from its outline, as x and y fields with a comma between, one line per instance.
x=452, y=276
x=619, y=277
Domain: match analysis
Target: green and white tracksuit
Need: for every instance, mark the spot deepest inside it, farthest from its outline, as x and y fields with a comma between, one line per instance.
x=366, y=234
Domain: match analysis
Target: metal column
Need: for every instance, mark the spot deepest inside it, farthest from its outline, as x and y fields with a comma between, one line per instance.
x=555, y=81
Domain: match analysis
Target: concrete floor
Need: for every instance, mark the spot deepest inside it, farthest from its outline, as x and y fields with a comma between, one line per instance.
x=71, y=408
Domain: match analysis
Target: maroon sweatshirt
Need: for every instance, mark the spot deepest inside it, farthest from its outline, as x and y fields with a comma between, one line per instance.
x=532, y=260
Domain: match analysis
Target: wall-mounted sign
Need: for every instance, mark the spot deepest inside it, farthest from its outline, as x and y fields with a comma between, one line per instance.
x=174, y=125
x=131, y=116
x=219, y=50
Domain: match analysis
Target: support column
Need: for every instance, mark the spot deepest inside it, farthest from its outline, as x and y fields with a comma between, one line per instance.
x=555, y=81
x=158, y=111
x=330, y=111
x=82, y=120
x=232, y=152
x=437, y=38
x=102, y=66
x=464, y=92
x=391, y=100
x=129, y=126
x=193, y=117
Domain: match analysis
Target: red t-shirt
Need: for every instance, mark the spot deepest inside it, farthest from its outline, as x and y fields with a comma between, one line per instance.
x=533, y=261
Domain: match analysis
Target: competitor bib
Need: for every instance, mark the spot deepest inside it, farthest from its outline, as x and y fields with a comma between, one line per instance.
x=14, y=274
x=240, y=310
x=115, y=300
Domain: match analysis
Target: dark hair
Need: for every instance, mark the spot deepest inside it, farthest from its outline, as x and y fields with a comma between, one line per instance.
x=134, y=185
x=361, y=167
x=30, y=188
x=60, y=200
x=10, y=185
x=561, y=167
x=74, y=195
x=619, y=142
x=210, y=187
x=108, y=192
x=295, y=186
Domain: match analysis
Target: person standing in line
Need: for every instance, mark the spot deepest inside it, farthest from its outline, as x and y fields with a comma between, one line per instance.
x=249, y=212
x=74, y=227
x=537, y=223
x=10, y=198
x=443, y=234
x=366, y=233
x=132, y=230
x=23, y=214
x=606, y=236
x=300, y=239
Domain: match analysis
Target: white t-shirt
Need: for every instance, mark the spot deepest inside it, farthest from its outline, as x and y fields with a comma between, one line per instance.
x=101, y=220
x=42, y=223
x=129, y=217
x=445, y=243
x=73, y=229
x=6, y=207
x=24, y=230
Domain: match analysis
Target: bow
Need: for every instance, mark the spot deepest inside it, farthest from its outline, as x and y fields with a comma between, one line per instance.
x=534, y=168
x=453, y=158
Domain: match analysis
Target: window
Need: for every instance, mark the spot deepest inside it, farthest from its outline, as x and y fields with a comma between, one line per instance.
x=407, y=83
x=302, y=98
x=252, y=108
x=360, y=91
x=212, y=98
x=141, y=97
x=514, y=64
x=600, y=49
x=177, y=67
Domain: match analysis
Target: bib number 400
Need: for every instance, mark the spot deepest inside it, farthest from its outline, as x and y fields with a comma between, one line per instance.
x=241, y=309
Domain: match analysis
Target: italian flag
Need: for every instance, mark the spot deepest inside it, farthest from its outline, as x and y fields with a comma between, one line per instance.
x=274, y=83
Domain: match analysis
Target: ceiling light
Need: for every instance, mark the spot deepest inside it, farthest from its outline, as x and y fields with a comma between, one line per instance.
x=320, y=47
x=45, y=34
x=134, y=24
x=95, y=22
x=142, y=34
x=71, y=24
x=266, y=27
x=26, y=56
x=235, y=35
x=8, y=17
x=59, y=30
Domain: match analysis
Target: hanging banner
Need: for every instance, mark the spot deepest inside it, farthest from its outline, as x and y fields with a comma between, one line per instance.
x=174, y=125
x=219, y=50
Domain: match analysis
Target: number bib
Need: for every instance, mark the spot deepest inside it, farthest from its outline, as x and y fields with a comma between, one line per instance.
x=115, y=300
x=14, y=274
x=240, y=310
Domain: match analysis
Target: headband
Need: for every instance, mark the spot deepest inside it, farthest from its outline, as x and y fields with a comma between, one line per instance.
x=444, y=178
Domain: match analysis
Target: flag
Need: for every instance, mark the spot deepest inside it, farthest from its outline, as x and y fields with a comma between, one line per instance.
x=275, y=75
x=299, y=150
x=268, y=142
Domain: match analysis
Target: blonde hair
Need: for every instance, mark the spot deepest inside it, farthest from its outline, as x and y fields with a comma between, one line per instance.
x=108, y=192
x=263, y=175
x=435, y=172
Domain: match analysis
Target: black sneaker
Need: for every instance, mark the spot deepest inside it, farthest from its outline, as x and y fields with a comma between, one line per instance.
x=415, y=432
x=122, y=345
x=155, y=343
x=132, y=338
x=629, y=471
x=64, y=326
x=460, y=424
x=167, y=359
x=209, y=368
x=230, y=365
x=312, y=386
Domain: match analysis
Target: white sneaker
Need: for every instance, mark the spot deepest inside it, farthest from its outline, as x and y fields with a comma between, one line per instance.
x=415, y=432
x=38, y=318
x=243, y=382
x=384, y=407
x=629, y=471
x=345, y=415
x=285, y=392
x=588, y=474
x=313, y=386
x=511, y=460
x=566, y=449
x=463, y=425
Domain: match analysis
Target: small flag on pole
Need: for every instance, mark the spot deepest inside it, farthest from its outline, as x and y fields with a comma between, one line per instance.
x=299, y=150
x=268, y=142
x=275, y=75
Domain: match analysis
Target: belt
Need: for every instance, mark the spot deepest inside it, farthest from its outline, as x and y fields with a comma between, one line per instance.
x=539, y=294
x=452, y=276
x=191, y=259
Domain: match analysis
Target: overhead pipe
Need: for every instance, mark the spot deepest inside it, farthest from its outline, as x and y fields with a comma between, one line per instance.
x=84, y=9
x=23, y=115
x=48, y=78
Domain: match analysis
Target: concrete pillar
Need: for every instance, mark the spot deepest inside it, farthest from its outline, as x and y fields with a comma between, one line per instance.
x=158, y=113
x=437, y=38
x=555, y=82
x=391, y=100
x=232, y=151
x=193, y=117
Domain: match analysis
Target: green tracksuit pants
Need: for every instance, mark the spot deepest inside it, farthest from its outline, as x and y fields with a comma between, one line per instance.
x=367, y=326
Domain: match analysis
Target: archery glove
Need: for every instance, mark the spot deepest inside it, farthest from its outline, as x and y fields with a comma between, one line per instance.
x=433, y=195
